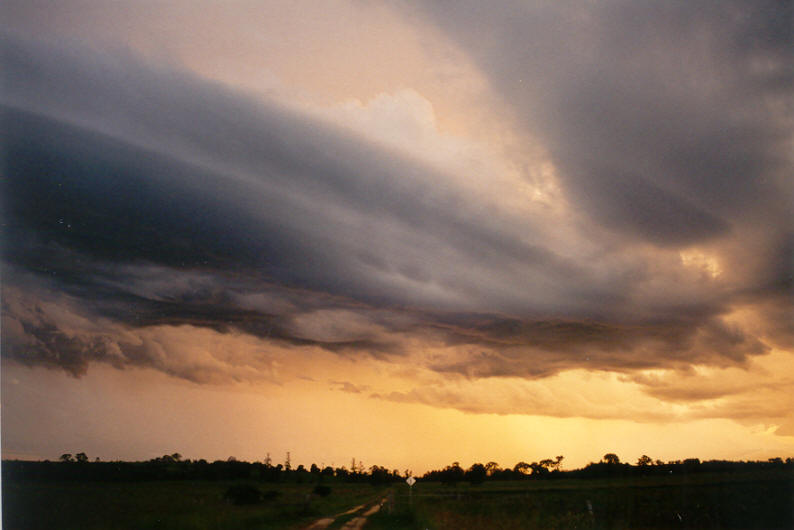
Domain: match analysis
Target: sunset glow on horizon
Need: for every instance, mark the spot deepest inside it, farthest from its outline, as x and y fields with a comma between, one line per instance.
x=408, y=233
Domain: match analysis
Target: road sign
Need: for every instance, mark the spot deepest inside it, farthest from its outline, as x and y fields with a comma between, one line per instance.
x=411, y=481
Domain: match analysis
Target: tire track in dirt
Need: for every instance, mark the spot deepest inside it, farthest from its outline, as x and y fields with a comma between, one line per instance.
x=325, y=522
x=357, y=523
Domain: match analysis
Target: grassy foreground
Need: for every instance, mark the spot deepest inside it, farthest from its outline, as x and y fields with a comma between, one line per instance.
x=708, y=501
x=758, y=500
x=177, y=505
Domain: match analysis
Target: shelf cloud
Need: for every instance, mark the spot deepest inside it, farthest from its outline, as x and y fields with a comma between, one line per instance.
x=155, y=218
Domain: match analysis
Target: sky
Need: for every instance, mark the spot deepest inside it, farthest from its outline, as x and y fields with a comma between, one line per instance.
x=408, y=233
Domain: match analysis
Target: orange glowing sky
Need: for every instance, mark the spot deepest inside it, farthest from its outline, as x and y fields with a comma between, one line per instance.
x=406, y=233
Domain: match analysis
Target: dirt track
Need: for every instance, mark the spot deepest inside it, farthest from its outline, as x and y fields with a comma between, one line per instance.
x=354, y=524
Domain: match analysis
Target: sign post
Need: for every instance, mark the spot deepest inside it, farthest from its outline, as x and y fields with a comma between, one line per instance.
x=411, y=481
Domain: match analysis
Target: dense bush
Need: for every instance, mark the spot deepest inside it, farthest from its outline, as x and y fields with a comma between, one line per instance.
x=322, y=491
x=270, y=495
x=241, y=494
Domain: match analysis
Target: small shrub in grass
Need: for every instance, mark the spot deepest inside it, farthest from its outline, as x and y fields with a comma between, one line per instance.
x=322, y=491
x=270, y=495
x=241, y=494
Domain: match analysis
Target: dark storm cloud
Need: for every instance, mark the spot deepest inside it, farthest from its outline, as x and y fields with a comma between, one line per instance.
x=126, y=162
x=669, y=121
x=144, y=196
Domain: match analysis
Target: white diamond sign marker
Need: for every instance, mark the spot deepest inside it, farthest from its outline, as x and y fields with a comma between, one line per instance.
x=411, y=481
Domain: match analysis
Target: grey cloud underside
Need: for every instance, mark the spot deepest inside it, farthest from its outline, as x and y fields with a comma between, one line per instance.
x=136, y=298
x=150, y=198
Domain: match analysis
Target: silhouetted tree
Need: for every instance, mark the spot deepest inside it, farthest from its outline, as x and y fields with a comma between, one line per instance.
x=644, y=460
x=538, y=469
x=522, y=467
x=691, y=464
x=81, y=457
x=452, y=474
x=611, y=458
x=476, y=473
x=378, y=475
x=66, y=457
x=491, y=468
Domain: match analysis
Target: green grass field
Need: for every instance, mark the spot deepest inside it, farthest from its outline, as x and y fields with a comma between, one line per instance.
x=178, y=505
x=705, y=501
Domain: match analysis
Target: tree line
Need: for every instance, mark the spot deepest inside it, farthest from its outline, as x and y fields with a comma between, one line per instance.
x=609, y=466
x=175, y=467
